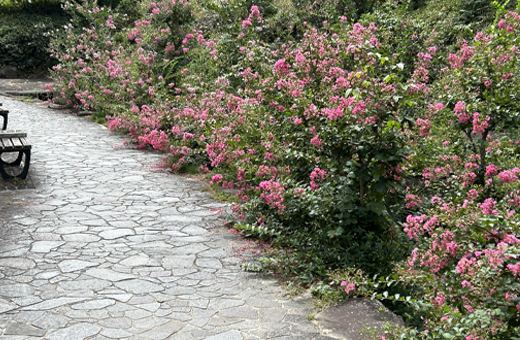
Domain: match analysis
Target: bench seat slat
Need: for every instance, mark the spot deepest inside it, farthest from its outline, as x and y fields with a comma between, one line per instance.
x=25, y=144
x=17, y=143
x=13, y=144
x=8, y=145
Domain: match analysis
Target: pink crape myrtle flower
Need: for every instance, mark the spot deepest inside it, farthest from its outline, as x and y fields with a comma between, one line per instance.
x=424, y=127
x=479, y=125
x=472, y=194
x=216, y=178
x=272, y=194
x=413, y=201
x=508, y=176
x=515, y=269
x=488, y=207
x=280, y=67
x=246, y=24
x=460, y=112
x=317, y=175
x=415, y=225
x=316, y=141
x=349, y=287
x=255, y=14
x=435, y=200
x=491, y=170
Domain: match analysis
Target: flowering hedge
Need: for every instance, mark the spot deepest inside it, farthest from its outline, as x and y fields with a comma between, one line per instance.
x=463, y=274
x=313, y=141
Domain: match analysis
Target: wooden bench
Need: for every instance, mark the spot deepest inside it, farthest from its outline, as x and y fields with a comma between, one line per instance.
x=14, y=141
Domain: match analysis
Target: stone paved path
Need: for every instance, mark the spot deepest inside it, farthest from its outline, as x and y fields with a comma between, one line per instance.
x=105, y=247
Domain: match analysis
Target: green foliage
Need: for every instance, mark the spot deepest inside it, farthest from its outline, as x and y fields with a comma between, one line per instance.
x=25, y=34
x=130, y=11
x=316, y=12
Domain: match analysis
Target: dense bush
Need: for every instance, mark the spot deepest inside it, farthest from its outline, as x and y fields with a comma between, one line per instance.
x=320, y=176
x=26, y=28
x=464, y=272
x=24, y=37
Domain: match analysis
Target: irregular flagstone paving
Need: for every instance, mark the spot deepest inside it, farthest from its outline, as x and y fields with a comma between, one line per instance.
x=102, y=246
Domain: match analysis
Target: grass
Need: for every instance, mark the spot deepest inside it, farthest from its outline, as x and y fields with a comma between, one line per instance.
x=326, y=300
x=293, y=291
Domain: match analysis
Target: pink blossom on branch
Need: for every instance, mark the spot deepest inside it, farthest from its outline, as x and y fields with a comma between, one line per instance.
x=216, y=178
x=508, y=176
x=316, y=141
x=424, y=127
x=480, y=125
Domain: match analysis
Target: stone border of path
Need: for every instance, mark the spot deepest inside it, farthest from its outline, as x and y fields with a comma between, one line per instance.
x=24, y=87
x=357, y=319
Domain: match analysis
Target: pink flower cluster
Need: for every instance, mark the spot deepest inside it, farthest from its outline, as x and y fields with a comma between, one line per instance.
x=424, y=127
x=157, y=139
x=515, y=269
x=491, y=170
x=509, y=176
x=272, y=193
x=349, y=286
x=414, y=226
x=460, y=112
x=488, y=207
x=413, y=201
x=465, y=53
x=216, y=179
x=254, y=15
x=480, y=125
x=317, y=176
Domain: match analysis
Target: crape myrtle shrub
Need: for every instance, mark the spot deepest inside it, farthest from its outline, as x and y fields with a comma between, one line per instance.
x=313, y=143
x=282, y=20
x=463, y=275
x=110, y=69
x=405, y=25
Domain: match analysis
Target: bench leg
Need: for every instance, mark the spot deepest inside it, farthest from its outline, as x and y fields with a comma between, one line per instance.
x=14, y=163
x=25, y=170
x=4, y=174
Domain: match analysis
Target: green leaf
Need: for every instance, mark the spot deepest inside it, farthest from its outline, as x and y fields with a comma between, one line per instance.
x=377, y=207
